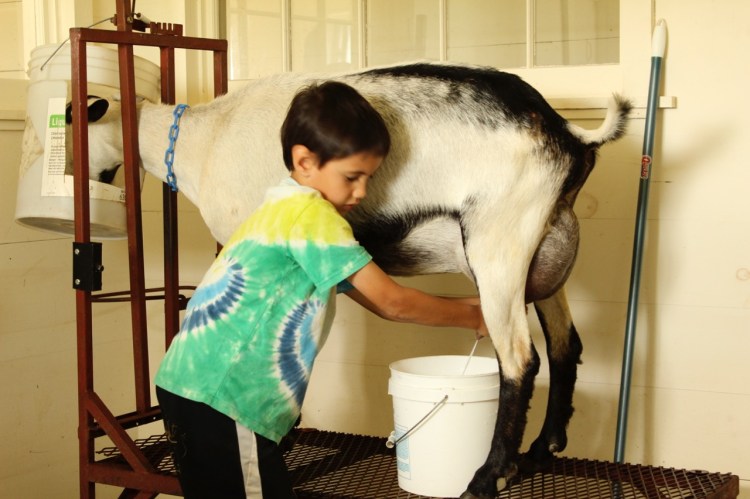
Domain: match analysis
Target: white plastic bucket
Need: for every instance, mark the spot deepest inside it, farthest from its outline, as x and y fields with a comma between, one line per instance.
x=438, y=456
x=45, y=194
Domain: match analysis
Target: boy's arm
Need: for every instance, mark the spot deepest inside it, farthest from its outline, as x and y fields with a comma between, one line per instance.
x=377, y=292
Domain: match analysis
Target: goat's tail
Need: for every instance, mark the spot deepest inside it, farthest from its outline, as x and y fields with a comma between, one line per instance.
x=613, y=127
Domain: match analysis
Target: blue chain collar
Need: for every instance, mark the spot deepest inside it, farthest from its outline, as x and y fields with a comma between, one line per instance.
x=174, y=132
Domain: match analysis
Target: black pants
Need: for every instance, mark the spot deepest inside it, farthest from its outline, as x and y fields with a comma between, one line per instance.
x=207, y=455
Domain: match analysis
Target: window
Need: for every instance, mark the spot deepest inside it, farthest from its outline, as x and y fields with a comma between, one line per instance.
x=254, y=30
x=579, y=41
x=325, y=35
x=403, y=30
x=576, y=32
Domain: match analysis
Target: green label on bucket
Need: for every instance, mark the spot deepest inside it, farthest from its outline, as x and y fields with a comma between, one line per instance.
x=56, y=121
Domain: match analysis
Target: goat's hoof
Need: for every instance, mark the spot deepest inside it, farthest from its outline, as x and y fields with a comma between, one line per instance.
x=469, y=495
x=502, y=483
x=540, y=454
x=486, y=492
x=487, y=482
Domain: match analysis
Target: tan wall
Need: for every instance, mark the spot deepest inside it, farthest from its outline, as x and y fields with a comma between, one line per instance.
x=690, y=396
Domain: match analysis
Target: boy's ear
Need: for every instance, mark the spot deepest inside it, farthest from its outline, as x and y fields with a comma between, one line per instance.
x=303, y=159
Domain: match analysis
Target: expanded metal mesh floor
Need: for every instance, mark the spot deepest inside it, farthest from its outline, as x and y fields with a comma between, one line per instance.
x=338, y=465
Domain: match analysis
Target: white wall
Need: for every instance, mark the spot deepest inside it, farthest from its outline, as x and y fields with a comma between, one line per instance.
x=690, y=396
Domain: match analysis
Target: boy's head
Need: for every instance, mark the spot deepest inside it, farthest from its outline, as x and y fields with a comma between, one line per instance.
x=333, y=121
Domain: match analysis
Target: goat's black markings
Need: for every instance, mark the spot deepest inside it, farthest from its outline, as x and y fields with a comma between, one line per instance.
x=502, y=96
x=382, y=234
x=107, y=176
x=99, y=108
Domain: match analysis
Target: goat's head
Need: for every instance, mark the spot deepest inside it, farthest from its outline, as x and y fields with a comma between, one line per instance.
x=105, y=139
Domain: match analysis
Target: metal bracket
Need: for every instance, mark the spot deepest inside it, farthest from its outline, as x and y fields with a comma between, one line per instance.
x=87, y=266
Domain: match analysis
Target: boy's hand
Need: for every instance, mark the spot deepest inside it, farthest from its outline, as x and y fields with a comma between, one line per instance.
x=471, y=300
x=482, y=331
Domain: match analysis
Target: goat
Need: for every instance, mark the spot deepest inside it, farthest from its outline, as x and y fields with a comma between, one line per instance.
x=481, y=180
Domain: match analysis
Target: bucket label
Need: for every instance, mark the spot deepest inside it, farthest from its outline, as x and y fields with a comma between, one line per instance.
x=54, y=149
x=403, y=464
x=54, y=180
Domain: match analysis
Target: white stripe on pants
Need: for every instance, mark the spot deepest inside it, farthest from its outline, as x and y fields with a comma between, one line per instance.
x=249, y=461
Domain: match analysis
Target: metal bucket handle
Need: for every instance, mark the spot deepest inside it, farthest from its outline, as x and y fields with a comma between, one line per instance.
x=392, y=441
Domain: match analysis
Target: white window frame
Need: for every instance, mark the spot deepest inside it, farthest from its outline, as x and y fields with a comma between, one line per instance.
x=577, y=91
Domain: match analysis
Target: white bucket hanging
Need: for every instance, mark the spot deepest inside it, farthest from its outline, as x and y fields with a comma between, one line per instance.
x=45, y=192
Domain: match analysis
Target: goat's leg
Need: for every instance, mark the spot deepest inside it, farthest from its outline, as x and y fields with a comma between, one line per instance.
x=501, y=464
x=499, y=263
x=564, y=353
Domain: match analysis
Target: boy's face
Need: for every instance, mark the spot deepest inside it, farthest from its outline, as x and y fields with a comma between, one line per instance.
x=342, y=182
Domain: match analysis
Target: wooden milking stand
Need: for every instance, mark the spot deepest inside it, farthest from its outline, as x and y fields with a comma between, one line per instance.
x=133, y=468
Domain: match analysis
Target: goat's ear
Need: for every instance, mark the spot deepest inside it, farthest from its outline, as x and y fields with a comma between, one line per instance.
x=97, y=108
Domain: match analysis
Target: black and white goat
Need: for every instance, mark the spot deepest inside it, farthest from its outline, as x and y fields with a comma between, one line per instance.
x=481, y=180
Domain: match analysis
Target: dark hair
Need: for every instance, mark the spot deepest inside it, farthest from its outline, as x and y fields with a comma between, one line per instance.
x=334, y=121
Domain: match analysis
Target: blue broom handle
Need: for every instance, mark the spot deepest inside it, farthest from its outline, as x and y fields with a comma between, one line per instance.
x=658, y=44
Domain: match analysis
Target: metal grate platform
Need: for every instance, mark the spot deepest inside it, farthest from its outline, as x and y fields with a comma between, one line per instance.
x=338, y=465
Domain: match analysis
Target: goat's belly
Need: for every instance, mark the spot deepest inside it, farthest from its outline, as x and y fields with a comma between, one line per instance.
x=433, y=246
x=439, y=245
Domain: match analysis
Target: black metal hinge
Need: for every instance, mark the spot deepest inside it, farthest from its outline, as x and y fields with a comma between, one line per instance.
x=87, y=266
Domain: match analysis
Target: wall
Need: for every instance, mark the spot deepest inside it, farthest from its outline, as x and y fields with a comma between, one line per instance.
x=690, y=395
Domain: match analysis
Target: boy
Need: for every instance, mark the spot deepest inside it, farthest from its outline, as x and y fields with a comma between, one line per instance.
x=232, y=383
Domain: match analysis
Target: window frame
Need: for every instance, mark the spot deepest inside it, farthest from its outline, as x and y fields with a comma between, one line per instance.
x=574, y=88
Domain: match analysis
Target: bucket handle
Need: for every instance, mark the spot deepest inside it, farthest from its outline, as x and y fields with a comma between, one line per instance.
x=392, y=441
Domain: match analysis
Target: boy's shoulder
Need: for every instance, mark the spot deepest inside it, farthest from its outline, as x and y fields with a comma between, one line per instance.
x=289, y=196
x=288, y=212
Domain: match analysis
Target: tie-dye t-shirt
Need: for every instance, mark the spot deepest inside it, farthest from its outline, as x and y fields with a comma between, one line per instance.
x=263, y=310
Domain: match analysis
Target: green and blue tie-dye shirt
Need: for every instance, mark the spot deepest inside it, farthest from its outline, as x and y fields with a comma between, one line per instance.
x=263, y=310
